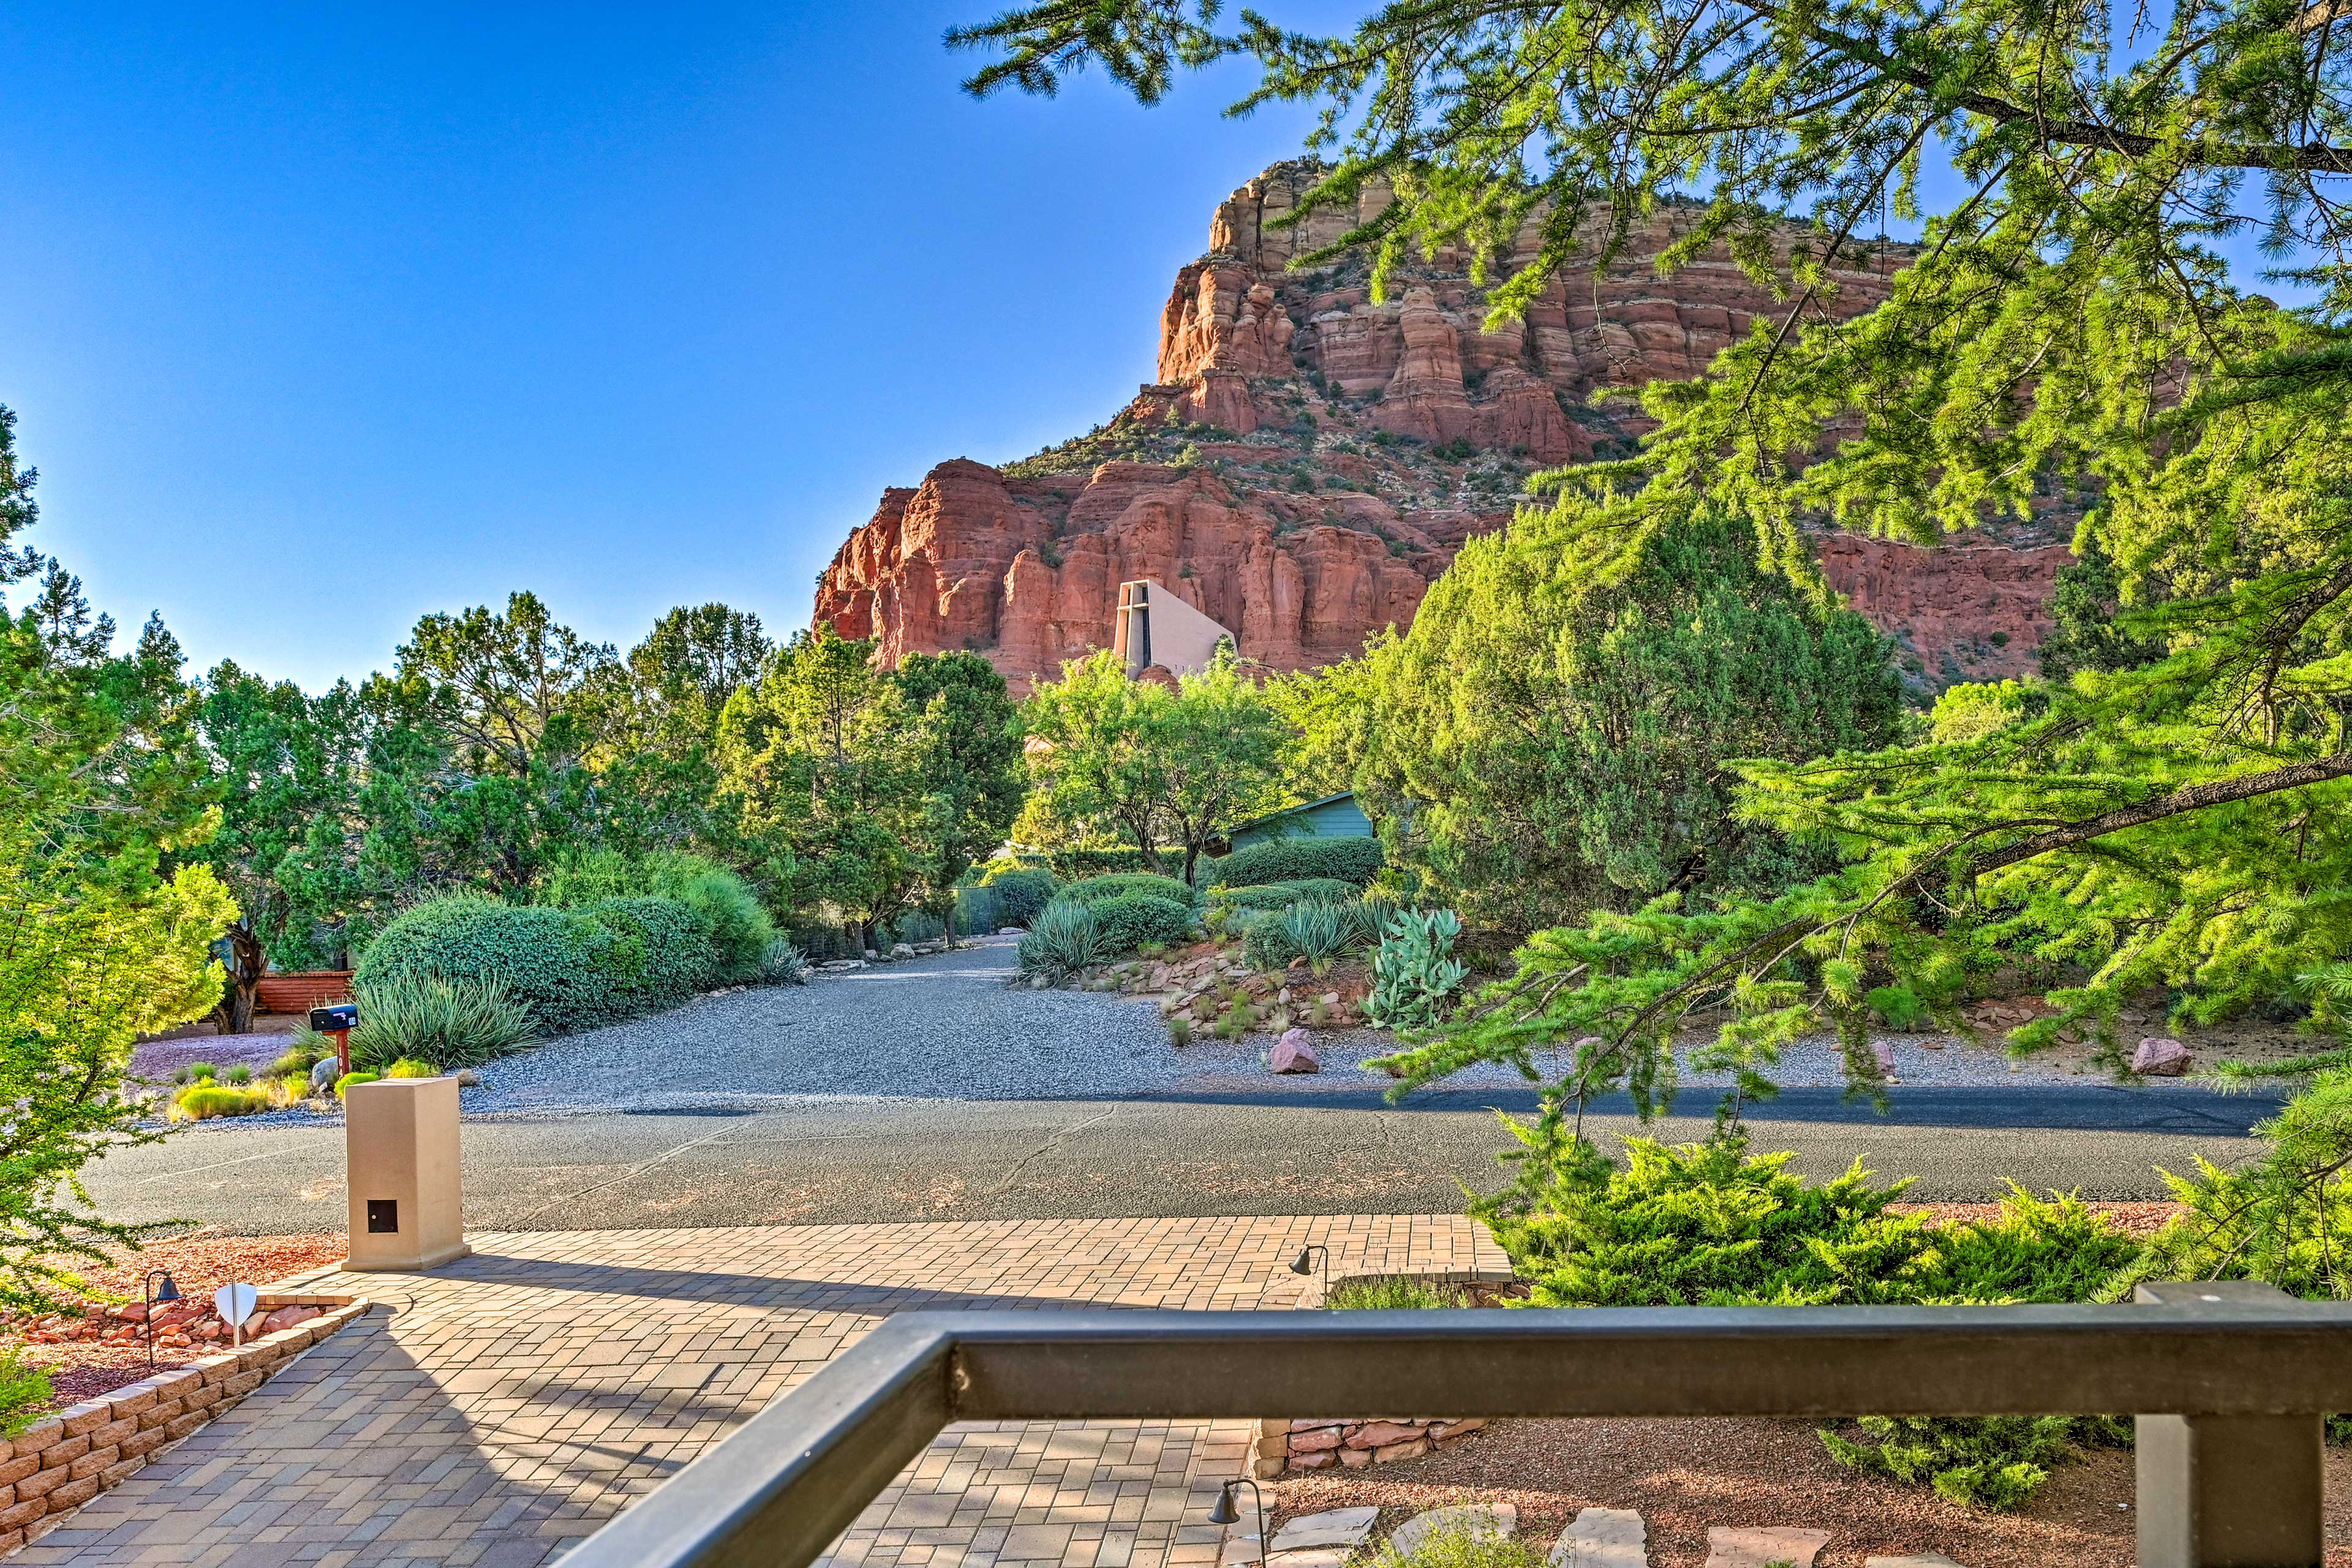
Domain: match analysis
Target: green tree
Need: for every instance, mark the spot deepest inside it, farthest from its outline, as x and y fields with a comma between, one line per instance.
x=86, y=967
x=826, y=787
x=285, y=767
x=1098, y=763
x=1180, y=766
x=2084, y=633
x=1223, y=741
x=693, y=660
x=101, y=937
x=968, y=763
x=2067, y=317
x=1541, y=755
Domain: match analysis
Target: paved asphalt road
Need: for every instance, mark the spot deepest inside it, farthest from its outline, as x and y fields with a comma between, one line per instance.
x=1240, y=1154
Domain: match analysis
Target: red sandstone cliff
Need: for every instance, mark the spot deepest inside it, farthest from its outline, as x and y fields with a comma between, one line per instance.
x=1308, y=461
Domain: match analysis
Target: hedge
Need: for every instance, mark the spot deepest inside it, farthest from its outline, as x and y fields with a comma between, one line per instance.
x=574, y=969
x=1354, y=858
x=1130, y=921
x=1021, y=893
x=1095, y=862
x=1121, y=884
x=1282, y=895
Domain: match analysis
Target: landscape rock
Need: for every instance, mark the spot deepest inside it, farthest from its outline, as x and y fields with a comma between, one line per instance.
x=1882, y=1053
x=1013, y=931
x=1381, y=1434
x=468, y=1079
x=1497, y=1520
x=324, y=1075
x=902, y=950
x=1295, y=1053
x=1760, y=1548
x=1602, y=1538
x=2159, y=1056
x=1346, y=1528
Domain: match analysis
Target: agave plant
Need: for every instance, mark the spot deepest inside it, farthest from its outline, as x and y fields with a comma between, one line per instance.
x=1415, y=970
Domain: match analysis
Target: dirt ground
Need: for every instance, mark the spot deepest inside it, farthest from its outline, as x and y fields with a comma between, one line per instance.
x=1686, y=1475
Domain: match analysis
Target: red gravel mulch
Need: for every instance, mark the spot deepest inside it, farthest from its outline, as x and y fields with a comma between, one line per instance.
x=1686, y=1475
x=200, y=1264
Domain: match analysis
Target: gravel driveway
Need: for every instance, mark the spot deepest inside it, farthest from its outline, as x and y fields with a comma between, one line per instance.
x=941, y=1028
x=948, y=1028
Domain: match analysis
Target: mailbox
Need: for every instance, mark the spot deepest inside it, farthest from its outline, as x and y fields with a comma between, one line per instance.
x=342, y=1016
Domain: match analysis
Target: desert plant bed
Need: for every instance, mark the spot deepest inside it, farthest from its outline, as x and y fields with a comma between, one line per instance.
x=101, y=1346
x=1685, y=1475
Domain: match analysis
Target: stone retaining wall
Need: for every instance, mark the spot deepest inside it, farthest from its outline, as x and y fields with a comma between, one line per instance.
x=1321, y=1442
x=60, y=1462
x=1314, y=1443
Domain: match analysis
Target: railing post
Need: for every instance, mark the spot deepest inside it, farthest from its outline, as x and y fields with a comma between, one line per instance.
x=2227, y=1491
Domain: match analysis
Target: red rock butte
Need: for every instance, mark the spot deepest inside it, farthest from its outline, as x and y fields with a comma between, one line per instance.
x=1309, y=461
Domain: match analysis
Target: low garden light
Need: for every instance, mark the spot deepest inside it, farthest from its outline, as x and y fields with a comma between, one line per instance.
x=1226, y=1513
x=1304, y=1262
x=156, y=1295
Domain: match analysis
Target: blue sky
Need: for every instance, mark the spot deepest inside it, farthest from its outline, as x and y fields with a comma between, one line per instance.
x=316, y=318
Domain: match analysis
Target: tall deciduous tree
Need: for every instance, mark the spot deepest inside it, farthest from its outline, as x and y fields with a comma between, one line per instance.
x=966, y=761
x=1221, y=741
x=826, y=788
x=1179, y=766
x=1096, y=759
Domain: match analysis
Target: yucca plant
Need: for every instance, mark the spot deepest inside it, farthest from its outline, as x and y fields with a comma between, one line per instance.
x=783, y=964
x=456, y=1023
x=1064, y=939
x=1318, y=931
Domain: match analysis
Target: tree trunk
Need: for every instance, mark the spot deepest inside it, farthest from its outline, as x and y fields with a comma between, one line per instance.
x=247, y=962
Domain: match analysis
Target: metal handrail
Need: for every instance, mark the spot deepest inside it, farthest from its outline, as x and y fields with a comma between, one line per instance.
x=2258, y=1366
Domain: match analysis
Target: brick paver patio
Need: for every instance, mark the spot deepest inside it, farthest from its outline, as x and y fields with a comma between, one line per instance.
x=497, y=1410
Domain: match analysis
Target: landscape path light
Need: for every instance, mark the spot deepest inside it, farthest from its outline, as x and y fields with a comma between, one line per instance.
x=1305, y=1264
x=1226, y=1513
x=170, y=1292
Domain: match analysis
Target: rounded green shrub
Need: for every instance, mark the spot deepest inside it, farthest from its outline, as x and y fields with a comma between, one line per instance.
x=658, y=956
x=556, y=963
x=1022, y=893
x=350, y=1079
x=1354, y=858
x=409, y=1066
x=1130, y=921
x=205, y=1101
x=1121, y=884
x=1267, y=945
x=1282, y=895
x=733, y=922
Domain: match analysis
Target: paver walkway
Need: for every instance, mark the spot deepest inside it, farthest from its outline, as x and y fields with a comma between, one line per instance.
x=496, y=1411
